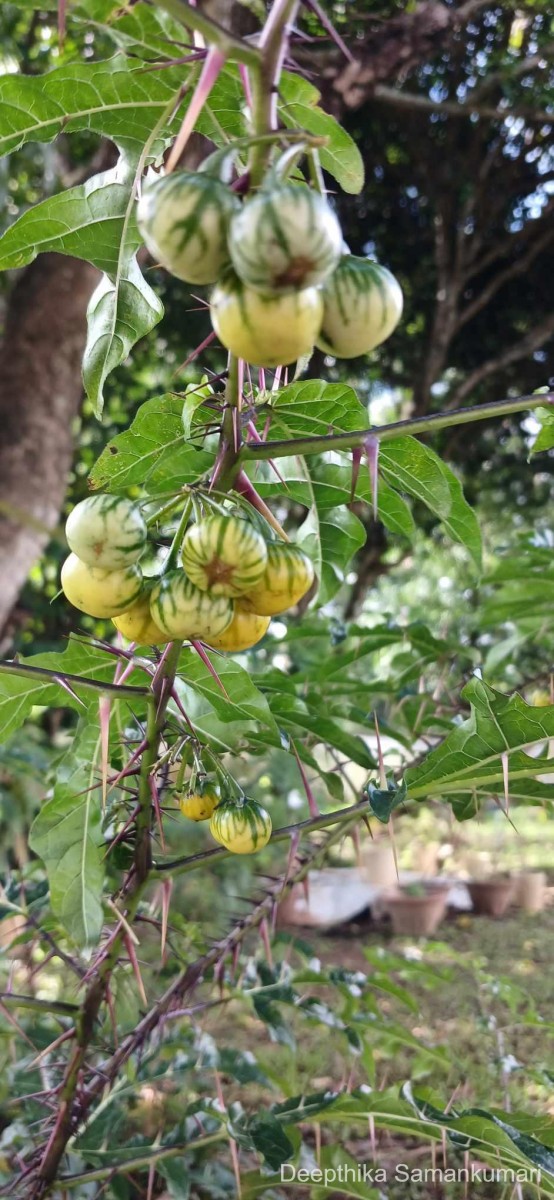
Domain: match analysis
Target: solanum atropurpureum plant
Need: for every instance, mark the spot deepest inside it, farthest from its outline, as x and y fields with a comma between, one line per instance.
x=179, y=547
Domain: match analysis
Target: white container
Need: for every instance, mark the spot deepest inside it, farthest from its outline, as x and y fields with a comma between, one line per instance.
x=377, y=864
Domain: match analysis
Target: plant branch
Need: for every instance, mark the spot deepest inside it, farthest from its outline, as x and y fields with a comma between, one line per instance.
x=254, y=451
x=155, y=1154
x=193, y=974
x=57, y=677
x=58, y=1008
x=214, y=33
x=66, y=1118
x=273, y=44
x=323, y=821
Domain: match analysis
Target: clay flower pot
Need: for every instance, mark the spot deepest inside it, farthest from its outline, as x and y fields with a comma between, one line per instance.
x=530, y=891
x=415, y=915
x=491, y=897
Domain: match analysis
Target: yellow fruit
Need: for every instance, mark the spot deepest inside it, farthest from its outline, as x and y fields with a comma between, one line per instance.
x=138, y=626
x=200, y=804
x=241, y=828
x=265, y=330
x=289, y=574
x=97, y=592
x=246, y=629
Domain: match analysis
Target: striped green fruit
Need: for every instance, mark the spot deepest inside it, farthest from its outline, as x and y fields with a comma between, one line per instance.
x=184, y=219
x=285, y=239
x=183, y=611
x=98, y=592
x=137, y=625
x=106, y=531
x=241, y=828
x=225, y=556
x=246, y=629
x=289, y=574
x=362, y=307
x=267, y=331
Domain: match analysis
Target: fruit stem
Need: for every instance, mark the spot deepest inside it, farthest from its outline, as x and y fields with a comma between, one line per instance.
x=172, y=559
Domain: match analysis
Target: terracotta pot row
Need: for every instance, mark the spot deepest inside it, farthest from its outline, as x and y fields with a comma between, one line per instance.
x=418, y=913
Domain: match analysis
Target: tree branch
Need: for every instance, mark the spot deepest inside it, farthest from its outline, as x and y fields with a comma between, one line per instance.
x=532, y=340
x=516, y=268
x=87, y=1016
x=417, y=103
x=513, y=242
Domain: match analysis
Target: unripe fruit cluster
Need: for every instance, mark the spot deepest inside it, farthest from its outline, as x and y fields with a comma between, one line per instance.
x=231, y=584
x=243, y=827
x=283, y=281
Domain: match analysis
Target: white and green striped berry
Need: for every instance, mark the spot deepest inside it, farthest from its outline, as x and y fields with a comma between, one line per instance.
x=184, y=219
x=285, y=240
x=106, y=531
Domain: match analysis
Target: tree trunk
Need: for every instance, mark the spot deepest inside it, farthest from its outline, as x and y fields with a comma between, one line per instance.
x=40, y=394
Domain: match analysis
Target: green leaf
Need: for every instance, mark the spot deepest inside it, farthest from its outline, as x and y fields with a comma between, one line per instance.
x=314, y=407
x=334, y=1165
x=294, y=714
x=121, y=311
x=410, y=466
x=545, y=438
x=330, y=484
x=470, y=757
x=331, y=540
x=245, y=702
x=279, y=1030
x=462, y=522
x=96, y=222
x=299, y=109
x=67, y=836
x=143, y=30
x=176, y=1175
x=152, y=453
x=384, y=801
x=270, y=1140
x=115, y=98
x=85, y=221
